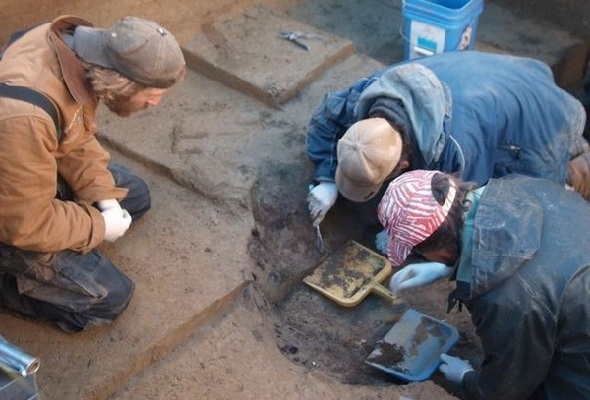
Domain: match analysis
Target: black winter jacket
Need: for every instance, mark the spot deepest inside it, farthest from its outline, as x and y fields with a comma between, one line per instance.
x=529, y=294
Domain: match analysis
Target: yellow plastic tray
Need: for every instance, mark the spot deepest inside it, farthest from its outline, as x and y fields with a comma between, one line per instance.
x=348, y=276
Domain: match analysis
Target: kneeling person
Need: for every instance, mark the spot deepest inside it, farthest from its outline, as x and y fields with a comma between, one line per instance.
x=521, y=267
x=60, y=196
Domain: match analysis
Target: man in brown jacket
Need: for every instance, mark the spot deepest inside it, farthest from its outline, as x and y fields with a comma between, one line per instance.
x=60, y=197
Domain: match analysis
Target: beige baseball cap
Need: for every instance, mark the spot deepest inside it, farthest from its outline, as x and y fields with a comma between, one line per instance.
x=367, y=154
x=138, y=49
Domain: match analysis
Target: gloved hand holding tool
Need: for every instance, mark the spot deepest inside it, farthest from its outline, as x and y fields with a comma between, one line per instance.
x=320, y=199
x=317, y=211
x=454, y=368
x=417, y=275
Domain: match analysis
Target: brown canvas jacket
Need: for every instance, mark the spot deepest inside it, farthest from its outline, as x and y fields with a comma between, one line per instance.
x=31, y=218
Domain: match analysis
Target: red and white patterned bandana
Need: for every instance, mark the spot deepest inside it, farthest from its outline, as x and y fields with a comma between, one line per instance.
x=410, y=213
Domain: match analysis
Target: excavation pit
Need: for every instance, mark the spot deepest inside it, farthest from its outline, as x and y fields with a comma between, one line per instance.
x=310, y=329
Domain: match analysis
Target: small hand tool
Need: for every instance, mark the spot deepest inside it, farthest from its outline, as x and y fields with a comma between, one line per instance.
x=320, y=240
x=293, y=36
x=319, y=237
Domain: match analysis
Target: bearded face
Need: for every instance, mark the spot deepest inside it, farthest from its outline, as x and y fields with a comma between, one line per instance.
x=125, y=105
x=121, y=95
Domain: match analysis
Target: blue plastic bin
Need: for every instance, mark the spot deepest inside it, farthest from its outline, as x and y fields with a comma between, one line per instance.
x=436, y=26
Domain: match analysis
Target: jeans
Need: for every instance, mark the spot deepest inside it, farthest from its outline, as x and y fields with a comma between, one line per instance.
x=77, y=291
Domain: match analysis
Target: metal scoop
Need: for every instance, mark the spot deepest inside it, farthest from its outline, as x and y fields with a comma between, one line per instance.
x=319, y=240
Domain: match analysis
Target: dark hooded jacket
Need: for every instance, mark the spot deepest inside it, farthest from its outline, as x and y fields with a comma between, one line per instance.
x=527, y=269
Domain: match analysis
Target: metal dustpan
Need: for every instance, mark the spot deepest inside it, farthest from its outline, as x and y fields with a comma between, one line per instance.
x=411, y=349
x=348, y=276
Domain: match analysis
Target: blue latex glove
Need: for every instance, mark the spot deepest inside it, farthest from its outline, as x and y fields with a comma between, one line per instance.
x=320, y=199
x=381, y=241
x=454, y=368
x=419, y=274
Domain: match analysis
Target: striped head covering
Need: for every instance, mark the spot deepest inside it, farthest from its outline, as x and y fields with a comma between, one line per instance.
x=410, y=213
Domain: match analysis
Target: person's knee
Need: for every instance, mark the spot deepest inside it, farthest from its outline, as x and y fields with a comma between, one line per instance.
x=105, y=312
x=116, y=301
x=138, y=200
x=142, y=199
x=113, y=290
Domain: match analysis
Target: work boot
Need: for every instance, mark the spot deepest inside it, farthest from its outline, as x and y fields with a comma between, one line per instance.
x=579, y=174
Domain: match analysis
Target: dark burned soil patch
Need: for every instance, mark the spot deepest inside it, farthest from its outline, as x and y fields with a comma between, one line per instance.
x=330, y=337
x=310, y=329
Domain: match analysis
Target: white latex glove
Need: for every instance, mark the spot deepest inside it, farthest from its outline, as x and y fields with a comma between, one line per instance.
x=104, y=205
x=381, y=241
x=418, y=274
x=116, y=222
x=320, y=199
x=454, y=368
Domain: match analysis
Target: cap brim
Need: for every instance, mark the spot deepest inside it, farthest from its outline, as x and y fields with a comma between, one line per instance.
x=354, y=192
x=397, y=252
x=88, y=44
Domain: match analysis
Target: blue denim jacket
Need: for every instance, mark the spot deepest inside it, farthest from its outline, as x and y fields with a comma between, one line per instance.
x=479, y=114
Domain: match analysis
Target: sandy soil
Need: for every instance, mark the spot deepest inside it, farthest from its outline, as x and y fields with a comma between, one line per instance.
x=309, y=329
